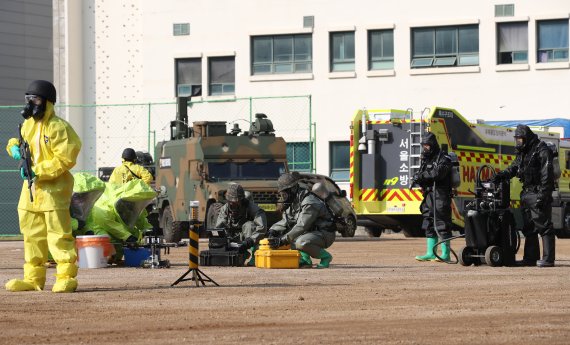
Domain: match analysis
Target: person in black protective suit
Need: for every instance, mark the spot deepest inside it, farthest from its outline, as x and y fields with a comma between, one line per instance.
x=307, y=223
x=434, y=177
x=533, y=166
x=243, y=220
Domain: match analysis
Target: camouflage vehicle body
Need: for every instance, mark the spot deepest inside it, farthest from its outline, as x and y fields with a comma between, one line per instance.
x=201, y=166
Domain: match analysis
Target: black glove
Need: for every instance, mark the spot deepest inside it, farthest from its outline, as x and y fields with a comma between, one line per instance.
x=499, y=177
x=132, y=242
x=245, y=245
x=539, y=202
x=276, y=242
x=272, y=233
x=414, y=181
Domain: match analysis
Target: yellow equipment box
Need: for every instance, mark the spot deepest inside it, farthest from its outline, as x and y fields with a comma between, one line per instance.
x=284, y=257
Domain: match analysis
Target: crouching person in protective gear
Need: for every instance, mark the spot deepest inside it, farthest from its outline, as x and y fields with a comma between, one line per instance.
x=242, y=219
x=45, y=222
x=434, y=177
x=307, y=223
x=533, y=166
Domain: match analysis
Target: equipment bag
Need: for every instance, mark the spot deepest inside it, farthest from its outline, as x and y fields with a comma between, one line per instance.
x=455, y=175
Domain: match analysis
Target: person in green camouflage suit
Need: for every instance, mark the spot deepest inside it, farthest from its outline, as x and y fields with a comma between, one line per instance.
x=307, y=223
x=243, y=220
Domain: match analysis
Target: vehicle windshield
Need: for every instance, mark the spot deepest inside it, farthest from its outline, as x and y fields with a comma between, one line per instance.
x=245, y=171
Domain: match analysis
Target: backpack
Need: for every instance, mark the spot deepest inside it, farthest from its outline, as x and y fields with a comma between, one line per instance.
x=325, y=190
x=455, y=174
x=555, y=163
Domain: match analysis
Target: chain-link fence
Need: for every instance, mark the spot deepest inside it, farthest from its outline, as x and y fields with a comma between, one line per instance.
x=106, y=130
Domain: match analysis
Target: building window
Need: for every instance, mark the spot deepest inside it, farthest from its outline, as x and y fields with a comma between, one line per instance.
x=221, y=75
x=380, y=49
x=299, y=156
x=339, y=160
x=188, y=77
x=513, y=42
x=342, y=51
x=552, y=40
x=181, y=29
x=445, y=46
x=282, y=54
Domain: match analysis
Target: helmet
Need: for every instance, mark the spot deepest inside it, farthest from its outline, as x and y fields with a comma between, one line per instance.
x=42, y=88
x=129, y=155
x=286, y=181
x=431, y=140
x=235, y=193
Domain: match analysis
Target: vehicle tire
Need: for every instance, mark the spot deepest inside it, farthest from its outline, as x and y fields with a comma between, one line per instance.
x=373, y=231
x=494, y=256
x=350, y=227
x=212, y=215
x=172, y=230
x=465, y=258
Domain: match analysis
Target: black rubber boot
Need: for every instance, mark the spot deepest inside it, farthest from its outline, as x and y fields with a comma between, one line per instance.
x=531, y=251
x=548, y=251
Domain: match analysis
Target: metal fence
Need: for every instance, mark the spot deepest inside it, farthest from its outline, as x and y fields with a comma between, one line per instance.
x=106, y=130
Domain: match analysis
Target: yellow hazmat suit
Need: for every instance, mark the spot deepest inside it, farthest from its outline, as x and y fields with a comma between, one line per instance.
x=127, y=171
x=46, y=222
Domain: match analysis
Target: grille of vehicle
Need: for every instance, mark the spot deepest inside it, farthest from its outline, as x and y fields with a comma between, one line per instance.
x=265, y=197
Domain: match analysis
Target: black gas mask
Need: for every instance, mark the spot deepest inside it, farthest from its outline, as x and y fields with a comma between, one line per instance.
x=519, y=144
x=234, y=207
x=426, y=150
x=287, y=196
x=35, y=107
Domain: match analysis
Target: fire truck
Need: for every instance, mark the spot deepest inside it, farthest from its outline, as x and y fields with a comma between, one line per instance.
x=385, y=154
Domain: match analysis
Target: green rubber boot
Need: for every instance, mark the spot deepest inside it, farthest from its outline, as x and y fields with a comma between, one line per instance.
x=326, y=259
x=445, y=252
x=251, y=261
x=305, y=260
x=431, y=241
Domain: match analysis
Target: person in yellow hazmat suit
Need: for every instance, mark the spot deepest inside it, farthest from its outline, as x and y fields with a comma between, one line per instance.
x=45, y=222
x=130, y=170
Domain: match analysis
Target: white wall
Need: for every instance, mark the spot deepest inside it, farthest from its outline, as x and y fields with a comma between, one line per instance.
x=133, y=50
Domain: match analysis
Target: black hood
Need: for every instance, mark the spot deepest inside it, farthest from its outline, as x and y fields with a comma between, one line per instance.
x=523, y=131
x=431, y=140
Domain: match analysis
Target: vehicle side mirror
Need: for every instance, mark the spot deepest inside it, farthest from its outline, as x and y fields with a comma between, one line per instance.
x=343, y=193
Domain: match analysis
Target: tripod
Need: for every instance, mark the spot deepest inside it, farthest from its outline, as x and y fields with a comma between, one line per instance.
x=193, y=260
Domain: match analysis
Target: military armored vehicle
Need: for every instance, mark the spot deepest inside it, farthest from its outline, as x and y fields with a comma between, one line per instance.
x=201, y=160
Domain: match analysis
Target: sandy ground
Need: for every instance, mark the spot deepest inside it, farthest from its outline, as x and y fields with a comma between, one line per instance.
x=374, y=293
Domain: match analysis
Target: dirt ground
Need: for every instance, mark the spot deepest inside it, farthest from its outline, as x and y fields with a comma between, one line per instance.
x=374, y=293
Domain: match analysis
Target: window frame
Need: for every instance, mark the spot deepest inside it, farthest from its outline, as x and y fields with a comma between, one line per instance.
x=382, y=59
x=295, y=63
x=348, y=63
x=228, y=85
x=502, y=56
x=453, y=58
x=551, y=51
x=332, y=153
x=195, y=89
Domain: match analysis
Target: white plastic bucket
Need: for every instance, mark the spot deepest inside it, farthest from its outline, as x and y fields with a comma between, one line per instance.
x=91, y=249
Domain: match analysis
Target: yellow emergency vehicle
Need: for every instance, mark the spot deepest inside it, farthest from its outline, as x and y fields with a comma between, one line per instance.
x=385, y=153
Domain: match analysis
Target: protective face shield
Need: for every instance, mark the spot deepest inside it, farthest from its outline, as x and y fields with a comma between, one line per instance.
x=35, y=107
